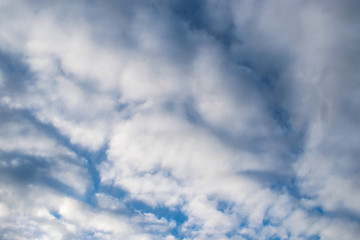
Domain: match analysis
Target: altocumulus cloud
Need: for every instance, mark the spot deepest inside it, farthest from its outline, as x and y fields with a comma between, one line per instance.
x=183, y=119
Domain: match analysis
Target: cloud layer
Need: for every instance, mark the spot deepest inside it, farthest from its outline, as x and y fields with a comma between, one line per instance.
x=179, y=119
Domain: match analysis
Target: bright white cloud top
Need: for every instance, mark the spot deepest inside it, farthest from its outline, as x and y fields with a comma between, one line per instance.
x=182, y=119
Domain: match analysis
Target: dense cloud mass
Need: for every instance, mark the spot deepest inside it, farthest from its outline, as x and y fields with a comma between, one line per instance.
x=181, y=119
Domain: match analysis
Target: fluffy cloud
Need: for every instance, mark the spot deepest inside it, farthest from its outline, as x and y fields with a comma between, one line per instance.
x=179, y=120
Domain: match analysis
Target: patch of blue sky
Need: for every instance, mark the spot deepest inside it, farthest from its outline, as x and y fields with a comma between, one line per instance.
x=175, y=214
x=55, y=214
x=90, y=236
x=224, y=206
x=160, y=212
x=311, y=237
x=113, y=191
x=14, y=71
x=194, y=14
x=340, y=213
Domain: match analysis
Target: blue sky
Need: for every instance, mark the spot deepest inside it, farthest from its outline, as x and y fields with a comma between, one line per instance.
x=179, y=119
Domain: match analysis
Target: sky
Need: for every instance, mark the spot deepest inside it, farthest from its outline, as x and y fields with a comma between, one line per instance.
x=179, y=119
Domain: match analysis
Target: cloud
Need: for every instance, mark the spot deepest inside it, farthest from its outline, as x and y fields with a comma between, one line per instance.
x=179, y=120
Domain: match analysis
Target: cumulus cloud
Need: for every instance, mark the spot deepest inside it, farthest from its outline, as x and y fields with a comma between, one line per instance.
x=179, y=120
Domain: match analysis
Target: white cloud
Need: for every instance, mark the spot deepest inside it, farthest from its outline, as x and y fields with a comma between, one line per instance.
x=242, y=115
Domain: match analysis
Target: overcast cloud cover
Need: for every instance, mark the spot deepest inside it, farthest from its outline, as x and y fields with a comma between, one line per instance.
x=180, y=119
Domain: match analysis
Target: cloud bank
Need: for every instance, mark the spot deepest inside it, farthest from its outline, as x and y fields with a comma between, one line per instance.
x=179, y=119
